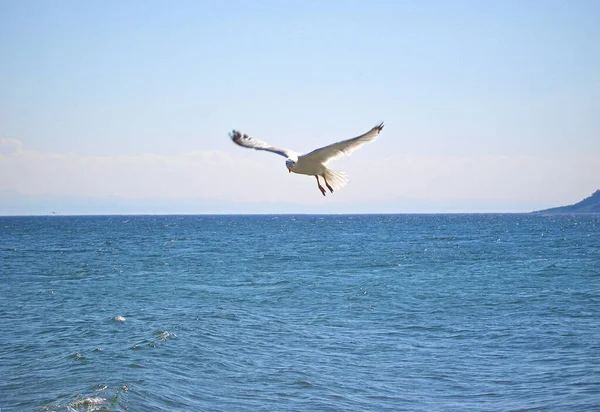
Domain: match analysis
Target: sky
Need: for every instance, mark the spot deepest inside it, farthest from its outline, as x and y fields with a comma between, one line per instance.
x=125, y=107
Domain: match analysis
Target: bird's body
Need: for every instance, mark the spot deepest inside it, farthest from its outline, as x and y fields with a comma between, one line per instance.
x=304, y=166
x=315, y=162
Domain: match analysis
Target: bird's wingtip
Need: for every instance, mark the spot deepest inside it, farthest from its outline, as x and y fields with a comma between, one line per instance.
x=235, y=135
x=380, y=126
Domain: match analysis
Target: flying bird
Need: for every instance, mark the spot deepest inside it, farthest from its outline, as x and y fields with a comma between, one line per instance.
x=315, y=162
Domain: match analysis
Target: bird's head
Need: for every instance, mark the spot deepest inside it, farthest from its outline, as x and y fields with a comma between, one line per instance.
x=290, y=163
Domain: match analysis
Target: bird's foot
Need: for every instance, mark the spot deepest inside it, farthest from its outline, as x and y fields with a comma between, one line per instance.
x=330, y=188
x=322, y=189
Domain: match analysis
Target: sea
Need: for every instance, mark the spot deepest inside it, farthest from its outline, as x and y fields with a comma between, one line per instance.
x=465, y=312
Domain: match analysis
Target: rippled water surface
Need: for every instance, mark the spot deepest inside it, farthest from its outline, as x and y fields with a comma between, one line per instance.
x=223, y=313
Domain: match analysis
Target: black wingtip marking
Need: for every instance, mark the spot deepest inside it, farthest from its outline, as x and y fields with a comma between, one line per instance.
x=235, y=135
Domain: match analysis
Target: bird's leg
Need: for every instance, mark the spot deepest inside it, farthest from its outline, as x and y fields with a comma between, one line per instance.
x=321, y=188
x=327, y=184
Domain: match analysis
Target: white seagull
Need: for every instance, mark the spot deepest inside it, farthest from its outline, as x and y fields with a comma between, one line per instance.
x=315, y=162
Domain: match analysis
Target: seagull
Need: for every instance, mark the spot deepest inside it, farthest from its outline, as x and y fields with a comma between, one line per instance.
x=315, y=162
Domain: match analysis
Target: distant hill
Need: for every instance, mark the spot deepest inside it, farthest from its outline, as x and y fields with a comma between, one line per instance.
x=587, y=205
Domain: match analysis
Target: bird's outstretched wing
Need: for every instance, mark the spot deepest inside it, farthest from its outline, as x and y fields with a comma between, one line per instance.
x=345, y=147
x=246, y=141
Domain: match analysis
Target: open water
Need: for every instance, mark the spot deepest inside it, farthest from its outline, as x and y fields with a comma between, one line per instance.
x=328, y=313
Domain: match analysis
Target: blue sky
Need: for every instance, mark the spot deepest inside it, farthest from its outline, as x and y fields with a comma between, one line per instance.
x=489, y=106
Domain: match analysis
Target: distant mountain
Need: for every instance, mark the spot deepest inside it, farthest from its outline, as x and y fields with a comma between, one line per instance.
x=587, y=205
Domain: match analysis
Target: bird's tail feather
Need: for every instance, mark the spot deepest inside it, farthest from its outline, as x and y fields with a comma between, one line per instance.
x=336, y=179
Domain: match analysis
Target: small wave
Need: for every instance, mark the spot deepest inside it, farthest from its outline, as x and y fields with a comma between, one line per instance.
x=160, y=336
x=303, y=384
x=92, y=403
x=86, y=403
x=163, y=335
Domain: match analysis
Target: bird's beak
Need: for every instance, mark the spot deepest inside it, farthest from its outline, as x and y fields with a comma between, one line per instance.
x=290, y=169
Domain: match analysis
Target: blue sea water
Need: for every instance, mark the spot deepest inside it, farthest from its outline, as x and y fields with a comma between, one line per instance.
x=332, y=313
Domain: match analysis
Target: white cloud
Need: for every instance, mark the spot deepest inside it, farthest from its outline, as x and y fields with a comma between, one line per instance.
x=246, y=176
x=10, y=146
x=517, y=179
x=196, y=174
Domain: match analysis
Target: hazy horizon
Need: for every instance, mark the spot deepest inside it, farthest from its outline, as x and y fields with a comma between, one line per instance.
x=13, y=204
